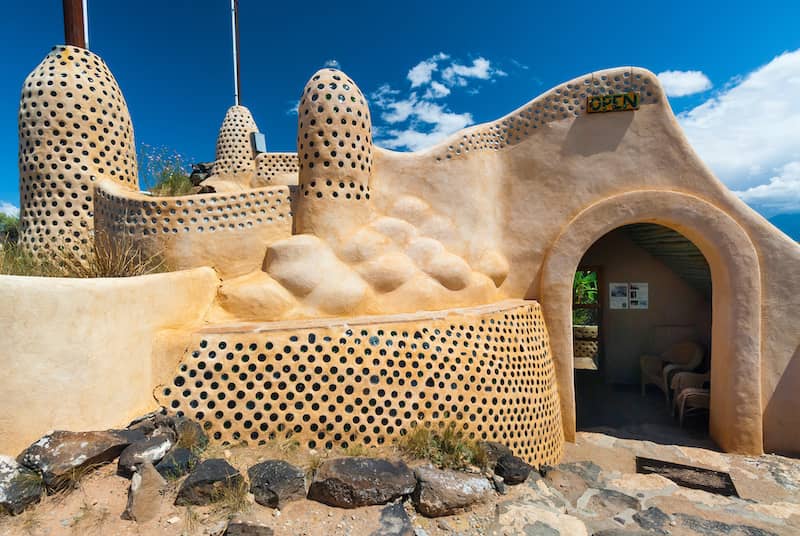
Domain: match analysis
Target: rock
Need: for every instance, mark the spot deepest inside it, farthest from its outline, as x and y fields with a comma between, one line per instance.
x=444, y=492
x=63, y=457
x=147, y=423
x=710, y=527
x=606, y=503
x=568, y=484
x=394, y=522
x=19, y=486
x=589, y=472
x=190, y=434
x=513, y=470
x=275, y=482
x=241, y=528
x=499, y=485
x=520, y=517
x=494, y=451
x=207, y=483
x=652, y=520
x=353, y=482
x=201, y=172
x=621, y=532
x=177, y=463
x=144, y=494
x=150, y=450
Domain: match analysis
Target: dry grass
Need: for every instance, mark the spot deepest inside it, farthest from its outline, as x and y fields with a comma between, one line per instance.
x=447, y=447
x=191, y=521
x=104, y=257
x=357, y=450
x=232, y=499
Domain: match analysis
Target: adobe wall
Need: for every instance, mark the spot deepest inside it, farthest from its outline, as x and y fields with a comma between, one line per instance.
x=627, y=334
x=515, y=184
x=82, y=354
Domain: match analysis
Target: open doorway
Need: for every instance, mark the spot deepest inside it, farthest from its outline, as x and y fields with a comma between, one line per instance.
x=643, y=290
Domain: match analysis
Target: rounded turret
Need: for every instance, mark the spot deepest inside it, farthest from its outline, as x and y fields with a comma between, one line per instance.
x=74, y=129
x=235, y=158
x=334, y=149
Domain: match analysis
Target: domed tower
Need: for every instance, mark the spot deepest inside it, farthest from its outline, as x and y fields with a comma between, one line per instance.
x=334, y=149
x=74, y=128
x=235, y=157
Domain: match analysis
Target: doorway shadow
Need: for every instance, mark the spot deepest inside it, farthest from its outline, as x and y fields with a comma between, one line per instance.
x=621, y=411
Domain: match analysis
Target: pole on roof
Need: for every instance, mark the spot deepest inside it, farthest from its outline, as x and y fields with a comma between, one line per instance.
x=75, y=33
x=86, y=23
x=235, y=37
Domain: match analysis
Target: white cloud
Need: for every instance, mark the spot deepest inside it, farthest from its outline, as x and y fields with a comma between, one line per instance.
x=748, y=134
x=8, y=209
x=682, y=83
x=417, y=119
x=781, y=194
x=334, y=64
x=422, y=72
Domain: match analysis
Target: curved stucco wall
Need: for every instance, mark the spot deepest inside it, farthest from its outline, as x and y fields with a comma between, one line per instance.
x=515, y=184
x=370, y=380
x=227, y=231
x=84, y=354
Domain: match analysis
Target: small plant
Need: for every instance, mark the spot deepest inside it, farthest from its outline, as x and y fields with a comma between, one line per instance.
x=356, y=450
x=448, y=448
x=313, y=464
x=9, y=229
x=231, y=498
x=191, y=521
x=163, y=172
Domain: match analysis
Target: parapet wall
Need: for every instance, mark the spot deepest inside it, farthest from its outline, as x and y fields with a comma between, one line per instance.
x=369, y=380
x=229, y=231
x=276, y=168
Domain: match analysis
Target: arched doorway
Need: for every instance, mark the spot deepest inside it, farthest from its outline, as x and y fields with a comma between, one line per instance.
x=735, y=415
x=642, y=291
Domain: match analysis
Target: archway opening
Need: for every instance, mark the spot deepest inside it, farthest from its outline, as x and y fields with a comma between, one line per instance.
x=641, y=327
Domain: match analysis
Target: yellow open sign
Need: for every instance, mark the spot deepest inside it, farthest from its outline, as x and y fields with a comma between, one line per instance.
x=621, y=102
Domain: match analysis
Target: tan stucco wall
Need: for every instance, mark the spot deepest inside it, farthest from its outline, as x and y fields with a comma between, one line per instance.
x=518, y=197
x=78, y=354
x=627, y=334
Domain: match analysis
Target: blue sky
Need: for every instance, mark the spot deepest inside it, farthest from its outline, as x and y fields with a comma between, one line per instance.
x=732, y=70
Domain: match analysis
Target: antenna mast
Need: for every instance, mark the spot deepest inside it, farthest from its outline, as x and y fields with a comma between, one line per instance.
x=235, y=37
x=76, y=29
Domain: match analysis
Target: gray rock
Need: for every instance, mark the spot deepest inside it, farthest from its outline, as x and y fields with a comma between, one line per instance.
x=145, y=494
x=607, y=503
x=494, y=451
x=275, y=482
x=394, y=522
x=353, y=482
x=442, y=492
x=177, y=463
x=566, y=483
x=19, y=486
x=499, y=485
x=201, y=172
x=208, y=482
x=590, y=472
x=63, y=457
x=709, y=527
x=653, y=520
x=151, y=450
x=514, y=470
x=621, y=532
x=540, y=529
x=241, y=528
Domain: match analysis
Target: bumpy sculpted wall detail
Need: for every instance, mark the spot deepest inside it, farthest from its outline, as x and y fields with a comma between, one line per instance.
x=74, y=129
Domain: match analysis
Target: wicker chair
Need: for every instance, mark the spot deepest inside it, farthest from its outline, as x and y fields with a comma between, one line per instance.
x=658, y=370
x=692, y=400
x=687, y=380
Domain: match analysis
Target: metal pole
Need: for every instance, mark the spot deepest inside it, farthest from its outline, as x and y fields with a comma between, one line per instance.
x=74, y=28
x=86, y=24
x=235, y=37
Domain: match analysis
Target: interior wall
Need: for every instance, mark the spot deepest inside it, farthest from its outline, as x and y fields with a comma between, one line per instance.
x=676, y=309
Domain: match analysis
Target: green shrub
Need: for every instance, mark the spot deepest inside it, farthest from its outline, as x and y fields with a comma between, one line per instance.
x=448, y=447
x=163, y=172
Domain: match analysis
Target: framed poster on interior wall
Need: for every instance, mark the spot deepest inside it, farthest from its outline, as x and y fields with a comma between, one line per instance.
x=618, y=295
x=638, y=296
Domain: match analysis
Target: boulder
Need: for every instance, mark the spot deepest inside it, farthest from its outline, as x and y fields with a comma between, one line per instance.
x=513, y=469
x=144, y=494
x=177, y=463
x=607, y=503
x=19, y=486
x=356, y=481
x=494, y=451
x=62, y=457
x=150, y=450
x=201, y=172
x=568, y=484
x=443, y=492
x=242, y=528
x=275, y=482
x=208, y=482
